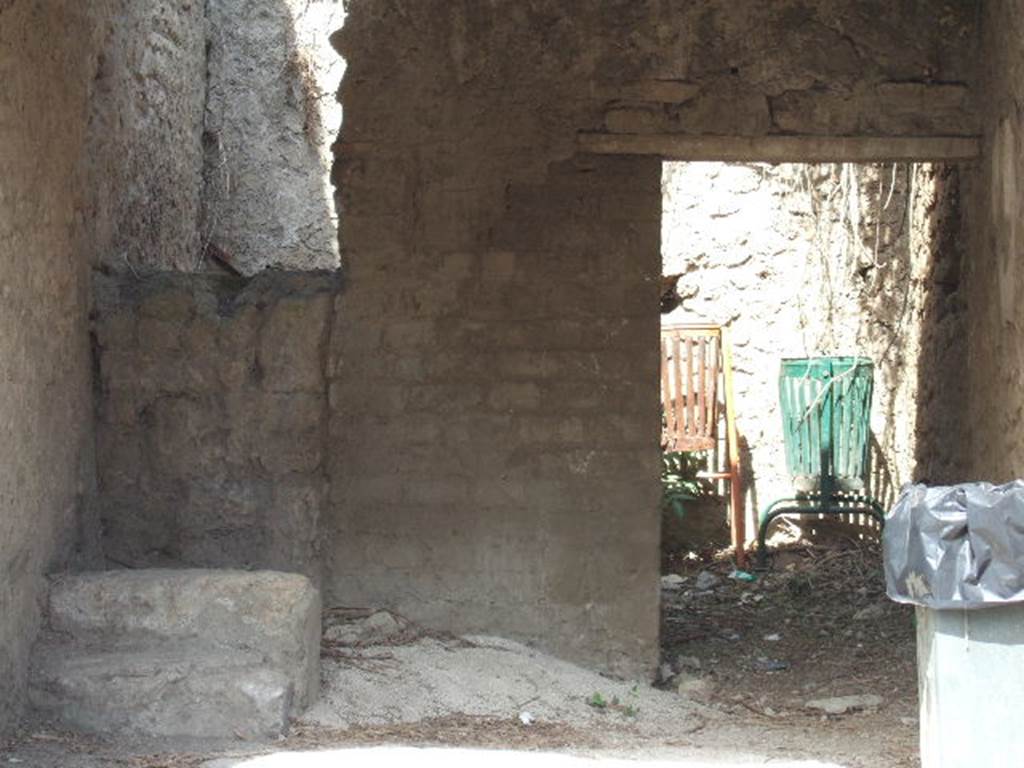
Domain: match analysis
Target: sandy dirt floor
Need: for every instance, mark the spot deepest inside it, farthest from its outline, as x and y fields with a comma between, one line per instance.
x=742, y=665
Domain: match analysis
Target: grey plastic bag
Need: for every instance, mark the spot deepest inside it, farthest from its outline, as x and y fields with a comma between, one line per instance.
x=959, y=546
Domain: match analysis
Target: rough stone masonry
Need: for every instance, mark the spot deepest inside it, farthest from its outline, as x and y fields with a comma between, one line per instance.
x=495, y=393
x=475, y=445
x=466, y=431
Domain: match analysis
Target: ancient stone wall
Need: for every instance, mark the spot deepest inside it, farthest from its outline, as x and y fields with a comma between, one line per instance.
x=995, y=275
x=48, y=56
x=145, y=124
x=494, y=399
x=803, y=260
x=491, y=454
x=212, y=419
x=828, y=68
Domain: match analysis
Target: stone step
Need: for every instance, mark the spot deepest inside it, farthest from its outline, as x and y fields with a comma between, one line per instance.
x=274, y=615
x=173, y=690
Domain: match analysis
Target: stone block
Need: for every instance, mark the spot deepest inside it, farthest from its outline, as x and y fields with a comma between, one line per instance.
x=514, y=396
x=120, y=457
x=166, y=691
x=499, y=265
x=908, y=107
x=290, y=345
x=187, y=435
x=237, y=334
x=274, y=614
x=282, y=432
x=219, y=505
x=728, y=107
x=161, y=336
x=664, y=91
x=172, y=306
x=131, y=534
x=457, y=265
x=814, y=111
x=297, y=509
x=117, y=331
x=635, y=120
x=409, y=333
x=267, y=170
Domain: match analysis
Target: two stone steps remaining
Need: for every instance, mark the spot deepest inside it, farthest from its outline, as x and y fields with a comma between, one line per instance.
x=199, y=653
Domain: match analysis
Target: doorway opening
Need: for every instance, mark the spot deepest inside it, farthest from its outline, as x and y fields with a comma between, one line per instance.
x=802, y=260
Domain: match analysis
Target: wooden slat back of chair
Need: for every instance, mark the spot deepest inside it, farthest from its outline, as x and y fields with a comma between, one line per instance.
x=690, y=365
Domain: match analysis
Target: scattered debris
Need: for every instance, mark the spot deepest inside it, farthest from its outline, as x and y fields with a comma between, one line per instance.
x=792, y=635
x=687, y=662
x=526, y=718
x=694, y=686
x=706, y=580
x=764, y=664
x=870, y=613
x=744, y=576
x=377, y=628
x=840, y=705
x=672, y=581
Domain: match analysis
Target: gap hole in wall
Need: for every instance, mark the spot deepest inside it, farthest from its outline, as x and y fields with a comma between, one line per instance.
x=797, y=260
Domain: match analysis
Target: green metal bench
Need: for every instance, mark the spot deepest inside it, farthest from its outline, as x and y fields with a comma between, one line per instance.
x=826, y=411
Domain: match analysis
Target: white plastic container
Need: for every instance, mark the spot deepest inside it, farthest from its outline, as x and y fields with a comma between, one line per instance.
x=970, y=667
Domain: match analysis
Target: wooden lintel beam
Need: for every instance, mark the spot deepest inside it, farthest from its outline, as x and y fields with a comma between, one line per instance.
x=785, y=149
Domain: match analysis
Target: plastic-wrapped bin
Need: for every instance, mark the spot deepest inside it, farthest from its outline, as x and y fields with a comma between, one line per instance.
x=957, y=553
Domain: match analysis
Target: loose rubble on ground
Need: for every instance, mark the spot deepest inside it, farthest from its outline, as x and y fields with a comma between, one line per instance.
x=813, y=640
x=804, y=661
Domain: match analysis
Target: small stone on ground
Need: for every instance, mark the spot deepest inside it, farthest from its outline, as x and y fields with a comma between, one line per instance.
x=840, y=705
x=706, y=580
x=672, y=581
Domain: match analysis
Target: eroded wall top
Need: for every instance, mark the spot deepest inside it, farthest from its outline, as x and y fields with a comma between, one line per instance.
x=211, y=132
x=210, y=137
x=270, y=118
x=714, y=67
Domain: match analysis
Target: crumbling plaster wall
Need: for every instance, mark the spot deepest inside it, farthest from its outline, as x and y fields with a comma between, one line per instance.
x=494, y=360
x=47, y=58
x=995, y=275
x=803, y=260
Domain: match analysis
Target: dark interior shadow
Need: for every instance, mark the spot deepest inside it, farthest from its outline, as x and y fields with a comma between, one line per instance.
x=748, y=478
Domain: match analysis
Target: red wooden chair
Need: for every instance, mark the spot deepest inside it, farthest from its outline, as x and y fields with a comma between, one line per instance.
x=696, y=377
